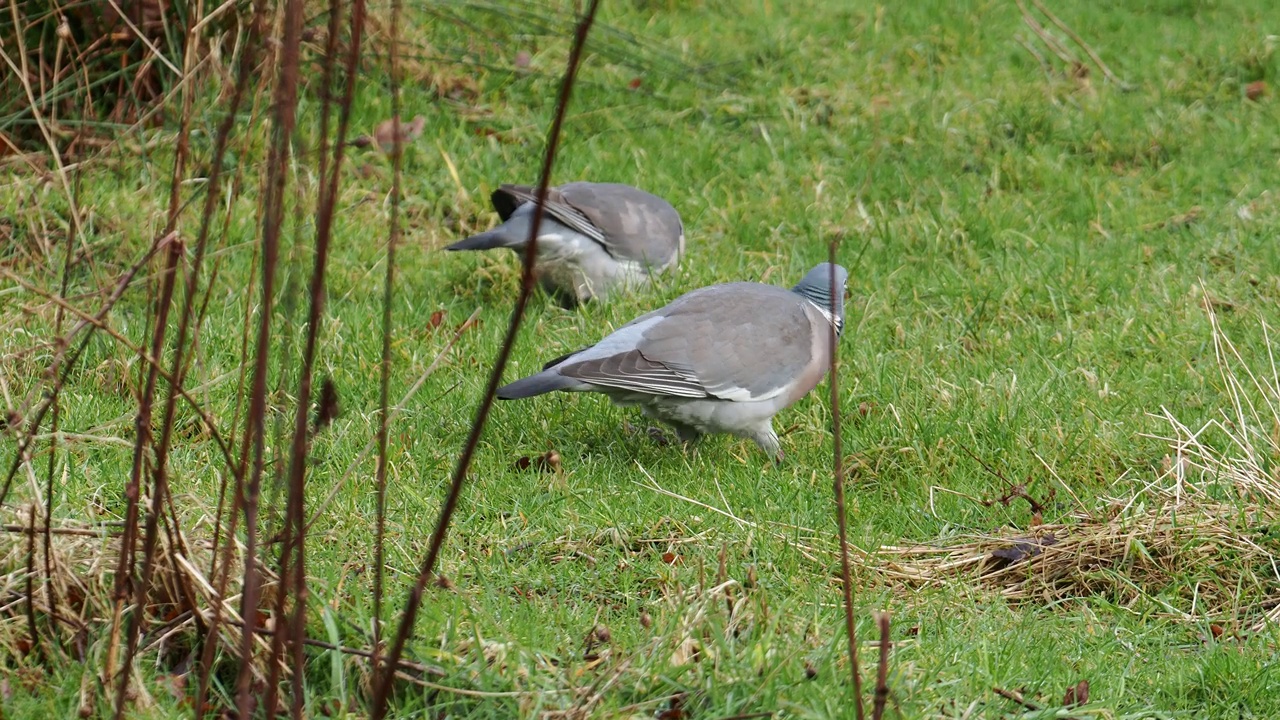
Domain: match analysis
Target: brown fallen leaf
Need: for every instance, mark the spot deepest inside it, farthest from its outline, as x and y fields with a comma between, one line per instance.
x=546, y=462
x=1255, y=91
x=674, y=709
x=327, y=408
x=1176, y=222
x=1077, y=694
x=1023, y=548
x=670, y=558
x=385, y=133
x=176, y=685
x=437, y=317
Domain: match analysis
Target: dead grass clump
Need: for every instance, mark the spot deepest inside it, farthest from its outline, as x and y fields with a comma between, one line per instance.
x=68, y=601
x=1200, y=541
x=73, y=69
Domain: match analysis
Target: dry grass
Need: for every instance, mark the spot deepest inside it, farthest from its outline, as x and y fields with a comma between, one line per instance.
x=82, y=560
x=1199, y=540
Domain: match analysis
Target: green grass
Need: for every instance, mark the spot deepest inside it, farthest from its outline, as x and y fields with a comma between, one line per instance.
x=1016, y=290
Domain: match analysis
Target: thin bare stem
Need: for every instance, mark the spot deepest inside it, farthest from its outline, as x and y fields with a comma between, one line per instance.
x=388, y=288
x=284, y=119
x=846, y=581
x=383, y=680
x=1088, y=50
x=126, y=584
x=61, y=366
x=882, y=670
x=292, y=553
x=248, y=62
x=31, y=574
x=102, y=325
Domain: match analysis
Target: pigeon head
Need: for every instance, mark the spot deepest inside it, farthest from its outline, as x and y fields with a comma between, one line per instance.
x=816, y=286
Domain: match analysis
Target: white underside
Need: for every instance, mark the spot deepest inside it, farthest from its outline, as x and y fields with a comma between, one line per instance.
x=750, y=420
x=576, y=264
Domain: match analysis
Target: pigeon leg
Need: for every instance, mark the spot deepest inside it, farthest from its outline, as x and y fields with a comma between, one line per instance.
x=689, y=436
x=768, y=441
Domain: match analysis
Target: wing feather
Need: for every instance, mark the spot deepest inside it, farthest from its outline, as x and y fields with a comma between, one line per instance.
x=739, y=341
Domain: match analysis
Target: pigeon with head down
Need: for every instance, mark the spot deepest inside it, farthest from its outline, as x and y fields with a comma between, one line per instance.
x=721, y=359
x=594, y=237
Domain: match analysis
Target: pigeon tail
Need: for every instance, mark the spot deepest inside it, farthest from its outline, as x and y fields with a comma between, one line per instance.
x=540, y=384
x=497, y=238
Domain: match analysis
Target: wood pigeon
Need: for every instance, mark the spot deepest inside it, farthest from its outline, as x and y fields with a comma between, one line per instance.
x=720, y=359
x=594, y=237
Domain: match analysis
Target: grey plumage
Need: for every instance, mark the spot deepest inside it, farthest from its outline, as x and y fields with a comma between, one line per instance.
x=594, y=237
x=724, y=358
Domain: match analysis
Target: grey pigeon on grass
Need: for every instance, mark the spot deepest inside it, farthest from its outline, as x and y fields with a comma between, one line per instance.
x=594, y=237
x=721, y=359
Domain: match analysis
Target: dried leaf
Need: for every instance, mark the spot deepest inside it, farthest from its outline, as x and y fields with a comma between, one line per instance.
x=1255, y=91
x=1216, y=304
x=176, y=685
x=1078, y=694
x=1023, y=548
x=385, y=133
x=670, y=558
x=548, y=461
x=327, y=409
x=674, y=710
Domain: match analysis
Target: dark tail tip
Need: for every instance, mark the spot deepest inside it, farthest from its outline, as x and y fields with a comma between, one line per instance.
x=483, y=241
x=539, y=384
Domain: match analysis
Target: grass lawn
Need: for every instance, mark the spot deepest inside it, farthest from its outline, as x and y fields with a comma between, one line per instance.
x=1030, y=252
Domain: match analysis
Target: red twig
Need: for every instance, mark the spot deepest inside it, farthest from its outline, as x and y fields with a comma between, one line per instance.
x=882, y=670
x=284, y=118
x=62, y=364
x=841, y=522
x=388, y=287
x=383, y=680
x=31, y=574
x=1017, y=697
x=292, y=569
x=126, y=583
